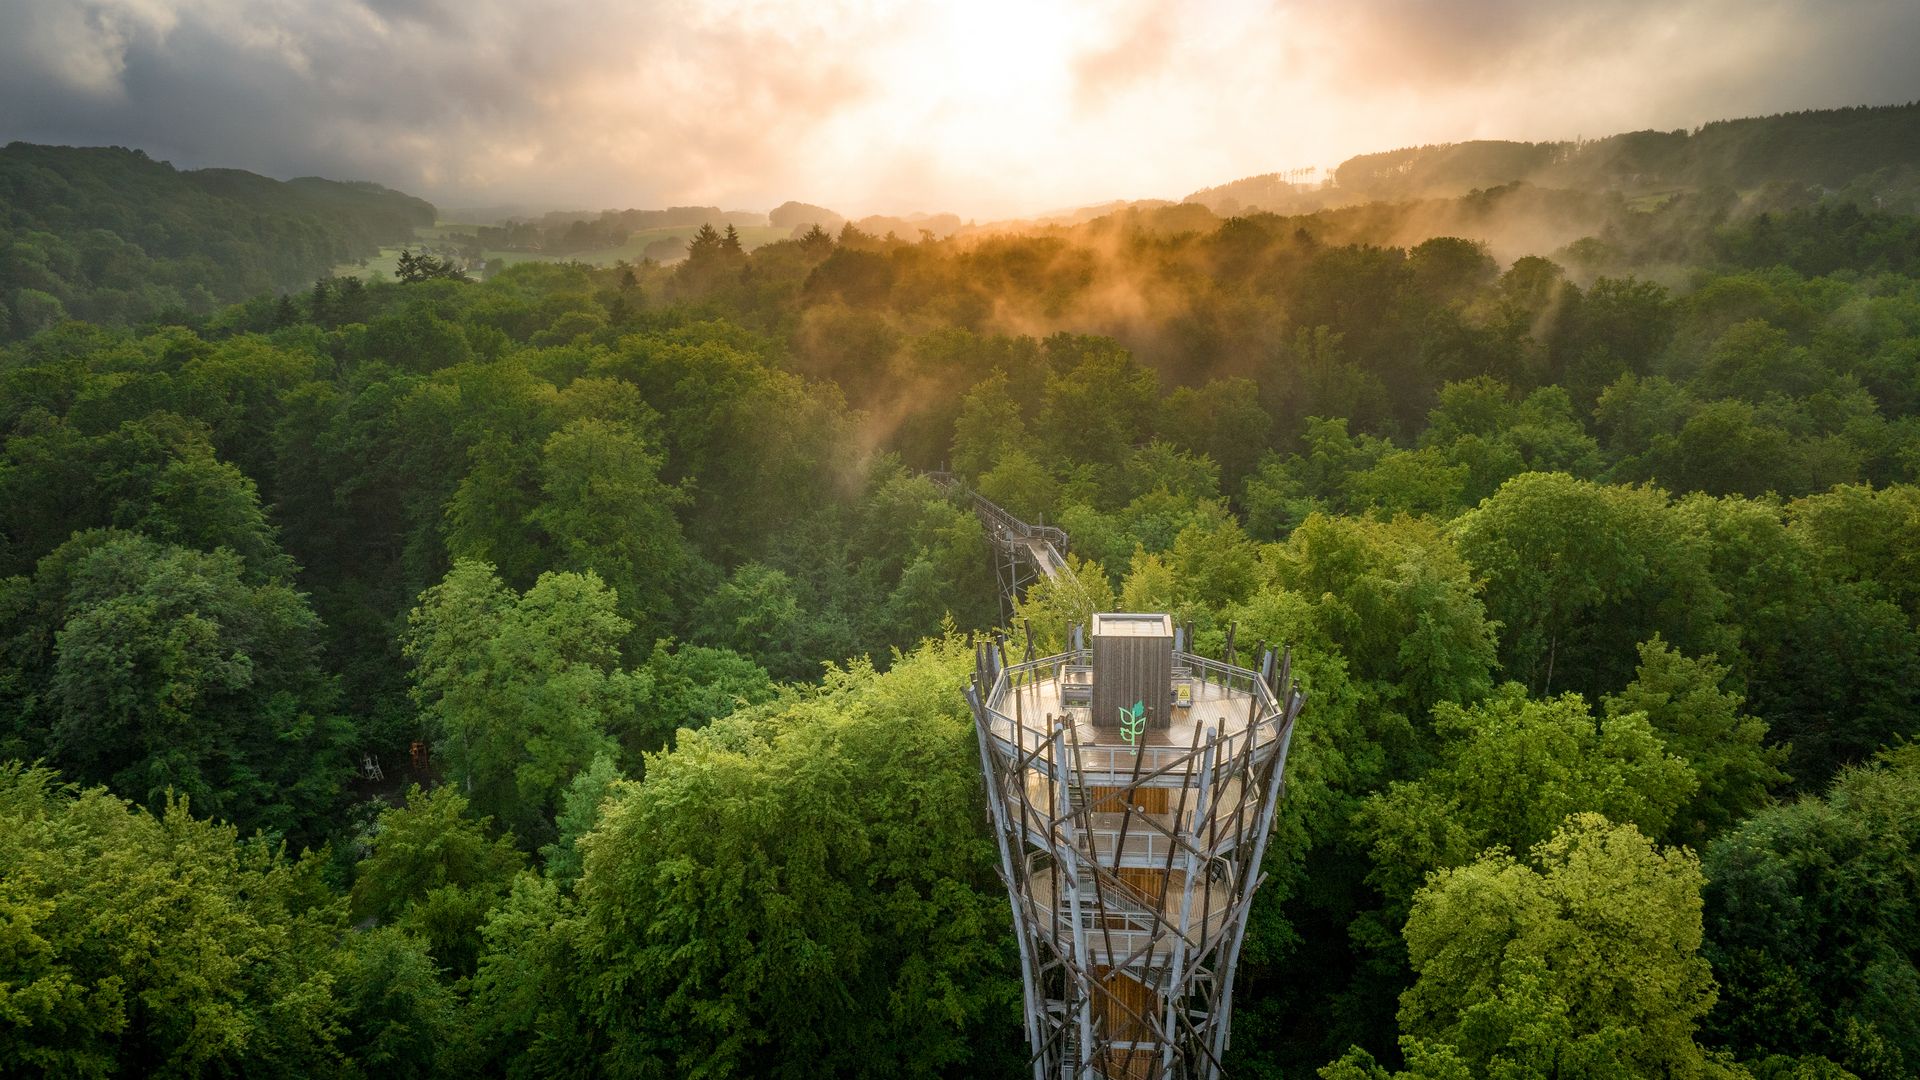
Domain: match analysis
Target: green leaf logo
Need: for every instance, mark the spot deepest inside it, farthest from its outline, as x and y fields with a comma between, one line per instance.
x=1132, y=722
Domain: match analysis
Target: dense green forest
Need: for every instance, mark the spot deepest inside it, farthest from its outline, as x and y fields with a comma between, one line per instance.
x=111, y=236
x=1599, y=561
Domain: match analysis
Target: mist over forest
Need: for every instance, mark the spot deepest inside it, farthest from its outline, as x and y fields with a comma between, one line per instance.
x=534, y=646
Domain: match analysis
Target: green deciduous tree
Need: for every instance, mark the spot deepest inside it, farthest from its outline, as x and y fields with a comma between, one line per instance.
x=1449, y=268
x=519, y=691
x=1399, y=602
x=1020, y=484
x=1099, y=402
x=162, y=945
x=158, y=475
x=1682, y=699
x=579, y=813
x=1163, y=467
x=157, y=668
x=400, y=1018
x=1869, y=536
x=607, y=512
x=529, y=1017
x=756, y=613
x=687, y=686
x=988, y=427
x=433, y=873
x=932, y=550
x=1421, y=482
x=1830, y=662
x=1579, y=573
x=1216, y=564
x=1810, y=915
x=763, y=445
x=1510, y=770
x=1223, y=421
x=1494, y=432
x=1618, y=324
x=824, y=841
x=1582, y=961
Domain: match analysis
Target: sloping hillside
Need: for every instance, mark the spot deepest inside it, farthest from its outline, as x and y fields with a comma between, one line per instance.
x=1872, y=152
x=110, y=235
x=1823, y=148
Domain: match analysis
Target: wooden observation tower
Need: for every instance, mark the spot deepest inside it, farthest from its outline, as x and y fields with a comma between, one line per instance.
x=1132, y=788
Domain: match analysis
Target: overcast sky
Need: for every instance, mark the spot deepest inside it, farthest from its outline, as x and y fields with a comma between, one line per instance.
x=985, y=108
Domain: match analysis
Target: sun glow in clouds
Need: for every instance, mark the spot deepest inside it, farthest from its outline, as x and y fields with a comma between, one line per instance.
x=968, y=93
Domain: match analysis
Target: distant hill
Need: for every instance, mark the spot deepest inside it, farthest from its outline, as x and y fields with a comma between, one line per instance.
x=1873, y=148
x=1827, y=148
x=110, y=235
x=1278, y=193
x=498, y=214
x=1080, y=215
x=800, y=217
x=910, y=226
x=672, y=216
x=607, y=234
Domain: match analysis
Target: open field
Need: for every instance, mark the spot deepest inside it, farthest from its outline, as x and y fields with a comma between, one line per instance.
x=386, y=264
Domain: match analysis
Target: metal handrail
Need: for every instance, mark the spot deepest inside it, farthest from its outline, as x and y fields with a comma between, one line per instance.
x=1109, y=761
x=987, y=508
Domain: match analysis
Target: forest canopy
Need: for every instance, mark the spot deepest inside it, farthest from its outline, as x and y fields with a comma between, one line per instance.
x=560, y=672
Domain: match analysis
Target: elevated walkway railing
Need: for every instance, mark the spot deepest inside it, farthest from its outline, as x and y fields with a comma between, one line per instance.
x=1044, y=547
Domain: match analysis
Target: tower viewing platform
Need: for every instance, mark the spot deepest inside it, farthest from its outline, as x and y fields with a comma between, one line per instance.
x=1132, y=786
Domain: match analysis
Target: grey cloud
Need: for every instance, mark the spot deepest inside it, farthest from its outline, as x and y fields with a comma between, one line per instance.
x=1425, y=43
x=733, y=101
x=1742, y=56
x=460, y=101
